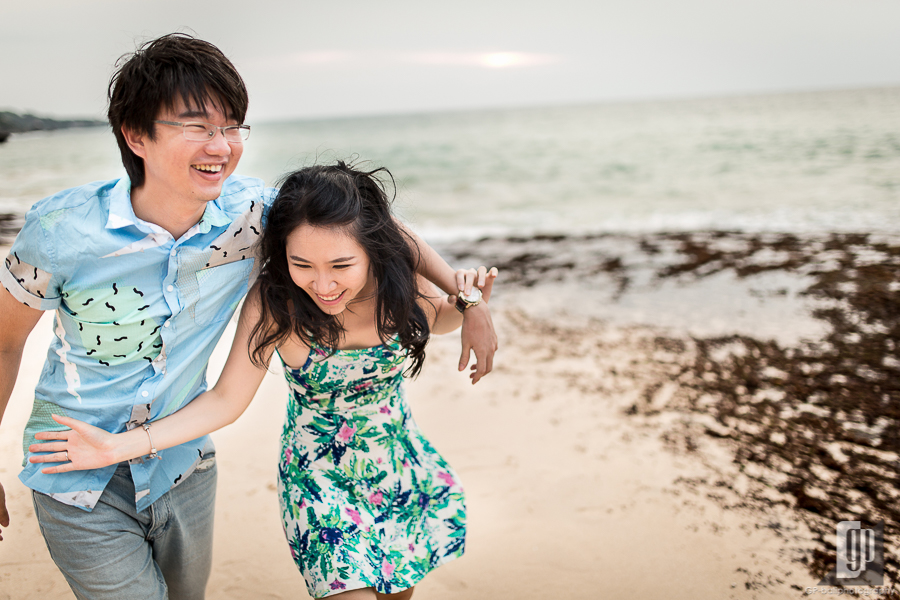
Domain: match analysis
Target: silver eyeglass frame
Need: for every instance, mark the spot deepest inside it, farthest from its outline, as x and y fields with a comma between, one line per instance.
x=211, y=130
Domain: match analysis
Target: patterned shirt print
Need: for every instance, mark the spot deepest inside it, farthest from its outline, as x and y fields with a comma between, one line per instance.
x=137, y=314
x=366, y=501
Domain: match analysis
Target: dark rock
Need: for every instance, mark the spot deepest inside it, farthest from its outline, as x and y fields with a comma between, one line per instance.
x=14, y=123
x=10, y=225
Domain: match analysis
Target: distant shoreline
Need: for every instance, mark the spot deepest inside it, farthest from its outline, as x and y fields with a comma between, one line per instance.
x=11, y=122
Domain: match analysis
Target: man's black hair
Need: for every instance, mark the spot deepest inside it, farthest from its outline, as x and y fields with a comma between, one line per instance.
x=160, y=72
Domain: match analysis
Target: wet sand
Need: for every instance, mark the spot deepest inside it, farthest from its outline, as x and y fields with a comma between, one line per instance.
x=676, y=416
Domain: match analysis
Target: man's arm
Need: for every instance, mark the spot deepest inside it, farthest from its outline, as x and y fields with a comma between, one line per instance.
x=16, y=322
x=477, y=329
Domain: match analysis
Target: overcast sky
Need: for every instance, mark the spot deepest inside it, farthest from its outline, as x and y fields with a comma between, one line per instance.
x=304, y=59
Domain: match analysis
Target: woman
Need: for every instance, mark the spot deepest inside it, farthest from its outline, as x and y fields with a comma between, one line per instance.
x=368, y=506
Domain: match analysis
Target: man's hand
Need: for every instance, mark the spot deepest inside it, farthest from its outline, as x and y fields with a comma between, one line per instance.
x=482, y=278
x=4, y=514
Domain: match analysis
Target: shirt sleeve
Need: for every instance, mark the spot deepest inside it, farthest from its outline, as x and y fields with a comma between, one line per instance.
x=28, y=272
x=268, y=198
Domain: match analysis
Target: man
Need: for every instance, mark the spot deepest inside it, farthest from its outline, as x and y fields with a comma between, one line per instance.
x=144, y=273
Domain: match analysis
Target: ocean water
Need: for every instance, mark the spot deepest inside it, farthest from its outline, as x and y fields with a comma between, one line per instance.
x=803, y=162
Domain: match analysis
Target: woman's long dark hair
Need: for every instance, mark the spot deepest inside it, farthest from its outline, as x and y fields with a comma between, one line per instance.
x=338, y=196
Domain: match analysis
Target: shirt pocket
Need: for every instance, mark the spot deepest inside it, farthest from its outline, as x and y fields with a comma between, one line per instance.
x=221, y=289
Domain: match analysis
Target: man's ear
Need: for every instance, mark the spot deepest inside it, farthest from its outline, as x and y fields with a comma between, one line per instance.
x=135, y=141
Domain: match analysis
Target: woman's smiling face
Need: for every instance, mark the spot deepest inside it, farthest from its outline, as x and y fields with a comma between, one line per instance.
x=328, y=264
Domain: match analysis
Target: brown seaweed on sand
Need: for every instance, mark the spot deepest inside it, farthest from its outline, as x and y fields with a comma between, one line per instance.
x=824, y=414
x=816, y=422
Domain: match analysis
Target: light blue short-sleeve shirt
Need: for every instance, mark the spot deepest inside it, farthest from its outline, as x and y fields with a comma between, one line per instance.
x=138, y=314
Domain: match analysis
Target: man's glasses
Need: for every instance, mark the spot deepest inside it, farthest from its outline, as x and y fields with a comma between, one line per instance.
x=196, y=131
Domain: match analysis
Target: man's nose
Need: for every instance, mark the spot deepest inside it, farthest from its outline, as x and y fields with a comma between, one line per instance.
x=218, y=144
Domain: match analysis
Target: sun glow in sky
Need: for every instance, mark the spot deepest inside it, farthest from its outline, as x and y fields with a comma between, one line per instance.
x=492, y=60
x=499, y=60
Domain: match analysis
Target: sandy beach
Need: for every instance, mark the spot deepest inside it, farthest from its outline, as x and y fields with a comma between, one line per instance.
x=670, y=416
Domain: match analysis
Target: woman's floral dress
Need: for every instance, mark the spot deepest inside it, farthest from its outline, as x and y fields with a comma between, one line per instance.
x=366, y=501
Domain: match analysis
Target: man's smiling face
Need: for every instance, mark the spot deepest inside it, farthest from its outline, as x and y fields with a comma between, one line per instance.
x=185, y=169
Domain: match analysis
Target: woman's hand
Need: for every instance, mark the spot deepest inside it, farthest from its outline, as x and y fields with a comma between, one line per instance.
x=477, y=328
x=79, y=448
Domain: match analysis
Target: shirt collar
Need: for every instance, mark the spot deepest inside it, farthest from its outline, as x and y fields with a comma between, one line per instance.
x=214, y=216
x=121, y=213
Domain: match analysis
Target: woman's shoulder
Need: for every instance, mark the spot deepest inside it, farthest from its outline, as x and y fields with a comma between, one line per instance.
x=294, y=352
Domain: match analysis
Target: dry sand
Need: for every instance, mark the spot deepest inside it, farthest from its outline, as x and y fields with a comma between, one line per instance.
x=587, y=475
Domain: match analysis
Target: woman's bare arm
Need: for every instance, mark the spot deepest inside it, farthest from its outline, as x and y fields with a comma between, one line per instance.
x=88, y=447
x=478, y=333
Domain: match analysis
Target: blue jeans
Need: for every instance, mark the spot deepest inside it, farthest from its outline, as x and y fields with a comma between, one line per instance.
x=116, y=553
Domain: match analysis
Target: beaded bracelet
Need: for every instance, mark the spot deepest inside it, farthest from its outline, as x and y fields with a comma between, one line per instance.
x=153, y=452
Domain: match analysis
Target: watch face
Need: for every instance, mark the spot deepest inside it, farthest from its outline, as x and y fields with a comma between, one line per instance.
x=475, y=296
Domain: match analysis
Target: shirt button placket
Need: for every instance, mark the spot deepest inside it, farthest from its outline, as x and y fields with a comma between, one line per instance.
x=169, y=293
x=170, y=297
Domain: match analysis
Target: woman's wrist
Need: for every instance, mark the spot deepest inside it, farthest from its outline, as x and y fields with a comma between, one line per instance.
x=476, y=309
x=129, y=445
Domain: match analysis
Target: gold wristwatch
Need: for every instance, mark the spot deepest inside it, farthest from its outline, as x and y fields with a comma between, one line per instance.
x=464, y=301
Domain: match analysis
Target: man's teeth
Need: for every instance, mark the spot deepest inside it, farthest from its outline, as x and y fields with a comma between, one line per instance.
x=209, y=168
